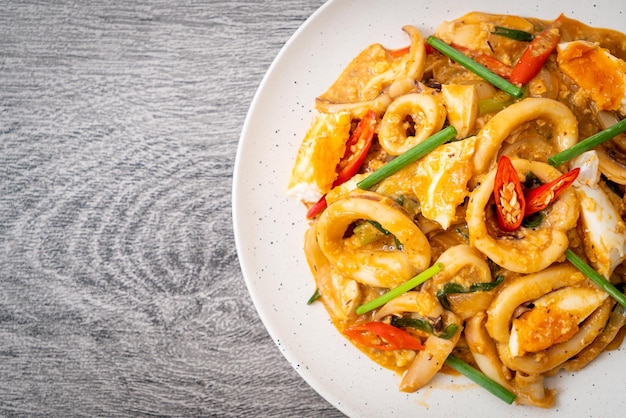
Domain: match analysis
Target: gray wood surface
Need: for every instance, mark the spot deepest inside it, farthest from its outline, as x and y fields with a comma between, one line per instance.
x=120, y=288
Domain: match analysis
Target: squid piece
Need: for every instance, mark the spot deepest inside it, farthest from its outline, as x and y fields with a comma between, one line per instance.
x=429, y=361
x=566, y=311
x=409, y=120
x=463, y=265
x=530, y=389
x=422, y=303
x=374, y=78
x=411, y=67
x=528, y=250
x=615, y=323
x=492, y=135
x=474, y=32
x=375, y=267
x=340, y=295
x=604, y=231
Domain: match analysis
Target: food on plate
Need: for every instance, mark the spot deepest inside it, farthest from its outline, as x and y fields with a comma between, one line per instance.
x=466, y=201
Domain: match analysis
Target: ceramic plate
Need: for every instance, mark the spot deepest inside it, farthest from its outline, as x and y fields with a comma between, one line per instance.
x=269, y=228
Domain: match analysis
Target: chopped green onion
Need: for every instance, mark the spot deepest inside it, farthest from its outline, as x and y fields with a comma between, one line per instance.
x=397, y=291
x=515, y=34
x=315, y=296
x=479, y=377
x=587, y=144
x=408, y=157
x=455, y=55
x=603, y=283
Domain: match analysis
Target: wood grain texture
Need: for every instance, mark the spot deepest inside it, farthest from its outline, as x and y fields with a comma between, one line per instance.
x=121, y=293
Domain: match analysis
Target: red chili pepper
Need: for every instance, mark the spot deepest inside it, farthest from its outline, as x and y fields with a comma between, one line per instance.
x=399, y=52
x=493, y=64
x=509, y=197
x=357, y=147
x=536, y=54
x=383, y=336
x=403, y=51
x=542, y=196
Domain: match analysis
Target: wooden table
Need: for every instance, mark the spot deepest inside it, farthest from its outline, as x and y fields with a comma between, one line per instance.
x=121, y=292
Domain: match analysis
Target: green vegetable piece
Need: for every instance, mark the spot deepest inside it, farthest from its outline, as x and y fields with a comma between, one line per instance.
x=533, y=221
x=516, y=34
x=315, y=296
x=588, y=144
x=455, y=55
x=449, y=331
x=451, y=287
x=603, y=283
x=397, y=291
x=367, y=232
x=408, y=157
x=417, y=323
x=423, y=325
x=478, y=377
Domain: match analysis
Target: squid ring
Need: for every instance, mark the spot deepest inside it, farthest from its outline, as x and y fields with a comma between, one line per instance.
x=379, y=268
x=491, y=136
x=464, y=265
x=426, y=112
x=411, y=67
x=531, y=287
x=530, y=250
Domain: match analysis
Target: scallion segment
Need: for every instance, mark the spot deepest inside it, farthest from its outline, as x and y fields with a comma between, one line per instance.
x=588, y=144
x=315, y=296
x=478, y=377
x=455, y=55
x=397, y=291
x=515, y=34
x=603, y=283
x=408, y=157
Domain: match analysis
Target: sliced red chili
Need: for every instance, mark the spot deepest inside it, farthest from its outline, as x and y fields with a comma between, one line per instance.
x=383, y=336
x=357, y=147
x=542, y=196
x=509, y=197
x=491, y=63
x=536, y=54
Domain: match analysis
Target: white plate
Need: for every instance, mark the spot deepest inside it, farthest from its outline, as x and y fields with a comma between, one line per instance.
x=269, y=227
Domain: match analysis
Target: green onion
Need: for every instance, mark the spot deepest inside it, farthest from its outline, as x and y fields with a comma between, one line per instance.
x=515, y=34
x=603, y=283
x=397, y=291
x=455, y=55
x=480, y=378
x=587, y=144
x=451, y=287
x=315, y=296
x=408, y=157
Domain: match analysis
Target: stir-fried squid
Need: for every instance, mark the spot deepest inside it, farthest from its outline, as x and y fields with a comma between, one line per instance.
x=490, y=209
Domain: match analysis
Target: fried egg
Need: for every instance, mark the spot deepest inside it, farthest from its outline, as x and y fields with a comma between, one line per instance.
x=595, y=70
